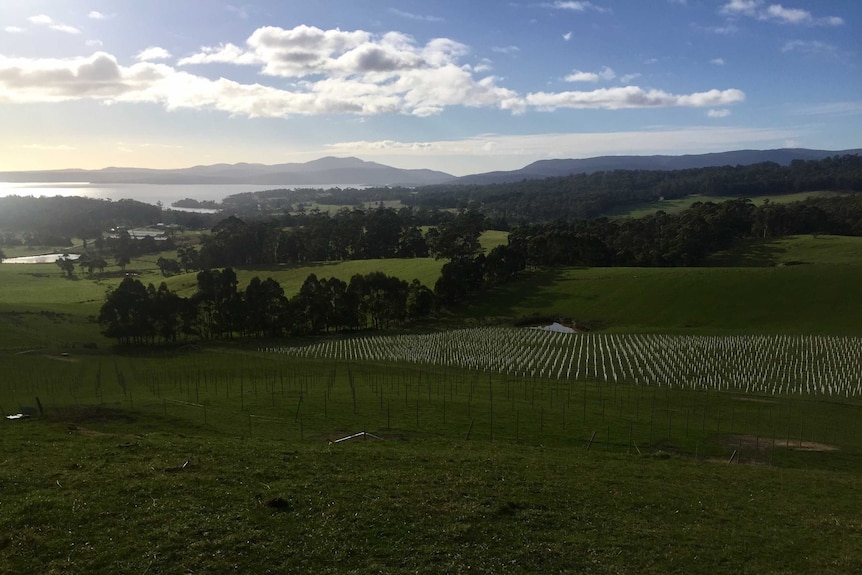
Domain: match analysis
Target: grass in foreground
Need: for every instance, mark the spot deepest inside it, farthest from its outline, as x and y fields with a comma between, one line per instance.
x=126, y=493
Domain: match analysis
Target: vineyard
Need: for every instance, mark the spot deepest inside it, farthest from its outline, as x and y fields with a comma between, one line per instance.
x=774, y=365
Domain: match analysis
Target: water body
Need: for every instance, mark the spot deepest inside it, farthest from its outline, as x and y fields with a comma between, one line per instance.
x=148, y=193
x=40, y=259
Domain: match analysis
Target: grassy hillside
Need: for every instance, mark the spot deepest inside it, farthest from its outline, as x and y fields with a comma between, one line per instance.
x=678, y=205
x=817, y=295
x=221, y=460
x=803, y=284
x=796, y=299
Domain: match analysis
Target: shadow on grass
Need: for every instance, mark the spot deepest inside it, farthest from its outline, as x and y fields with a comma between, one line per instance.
x=530, y=291
x=750, y=254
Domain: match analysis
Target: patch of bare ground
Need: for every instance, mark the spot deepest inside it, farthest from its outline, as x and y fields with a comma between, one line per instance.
x=753, y=399
x=81, y=414
x=762, y=443
x=61, y=358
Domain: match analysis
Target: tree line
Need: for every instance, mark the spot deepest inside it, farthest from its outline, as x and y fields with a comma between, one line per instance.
x=135, y=314
x=348, y=235
x=588, y=196
x=684, y=239
x=219, y=309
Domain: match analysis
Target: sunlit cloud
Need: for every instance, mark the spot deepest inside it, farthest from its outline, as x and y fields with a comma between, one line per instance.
x=627, y=97
x=44, y=20
x=153, y=53
x=333, y=72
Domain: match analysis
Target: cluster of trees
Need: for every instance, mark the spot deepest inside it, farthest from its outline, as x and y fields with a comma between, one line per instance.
x=120, y=248
x=347, y=235
x=135, y=314
x=465, y=276
x=586, y=196
x=684, y=239
x=53, y=220
x=282, y=201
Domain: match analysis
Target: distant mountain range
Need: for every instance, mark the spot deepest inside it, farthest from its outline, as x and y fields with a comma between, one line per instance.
x=325, y=171
x=353, y=171
x=556, y=168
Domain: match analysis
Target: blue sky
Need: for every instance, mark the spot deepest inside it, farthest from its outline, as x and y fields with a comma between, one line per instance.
x=463, y=86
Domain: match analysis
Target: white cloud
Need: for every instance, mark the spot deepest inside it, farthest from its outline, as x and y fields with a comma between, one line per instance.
x=747, y=7
x=575, y=6
x=153, y=53
x=631, y=97
x=417, y=17
x=332, y=72
x=567, y=36
x=606, y=74
x=52, y=80
x=784, y=15
x=789, y=15
x=359, y=72
x=810, y=47
x=96, y=15
x=505, y=49
x=777, y=13
x=578, y=76
x=14, y=29
x=626, y=78
x=41, y=20
x=419, y=92
x=44, y=20
x=717, y=61
x=727, y=29
x=94, y=43
x=722, y=113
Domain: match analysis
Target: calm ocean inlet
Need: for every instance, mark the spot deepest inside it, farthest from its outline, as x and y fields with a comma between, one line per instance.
x=149, y=193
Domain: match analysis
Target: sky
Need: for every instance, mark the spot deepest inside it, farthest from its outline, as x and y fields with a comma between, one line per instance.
x=462, y=86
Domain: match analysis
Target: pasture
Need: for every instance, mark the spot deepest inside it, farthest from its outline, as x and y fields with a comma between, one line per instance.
x=799, y=299
x=678, y=205
x=709, y=424
x=227, y=459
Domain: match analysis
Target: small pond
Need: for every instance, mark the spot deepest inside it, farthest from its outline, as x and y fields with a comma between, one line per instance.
x=40, y=259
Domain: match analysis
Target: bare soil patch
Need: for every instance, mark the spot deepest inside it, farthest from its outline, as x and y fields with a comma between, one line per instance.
x=81, y=414
x=61, y=358
x=763, y=443
x=754, y=399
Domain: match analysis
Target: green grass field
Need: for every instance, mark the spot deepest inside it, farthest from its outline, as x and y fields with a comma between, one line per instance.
x=794, y=299
x=224, y=458
x=681, y=204
x=219, y=460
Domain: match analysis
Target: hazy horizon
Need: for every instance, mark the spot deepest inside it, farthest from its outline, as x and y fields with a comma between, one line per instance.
x=460, y=87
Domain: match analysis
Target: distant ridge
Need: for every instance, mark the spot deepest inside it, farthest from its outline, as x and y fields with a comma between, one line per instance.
x=354, y=171
x=557, y=168
x=324, y=171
